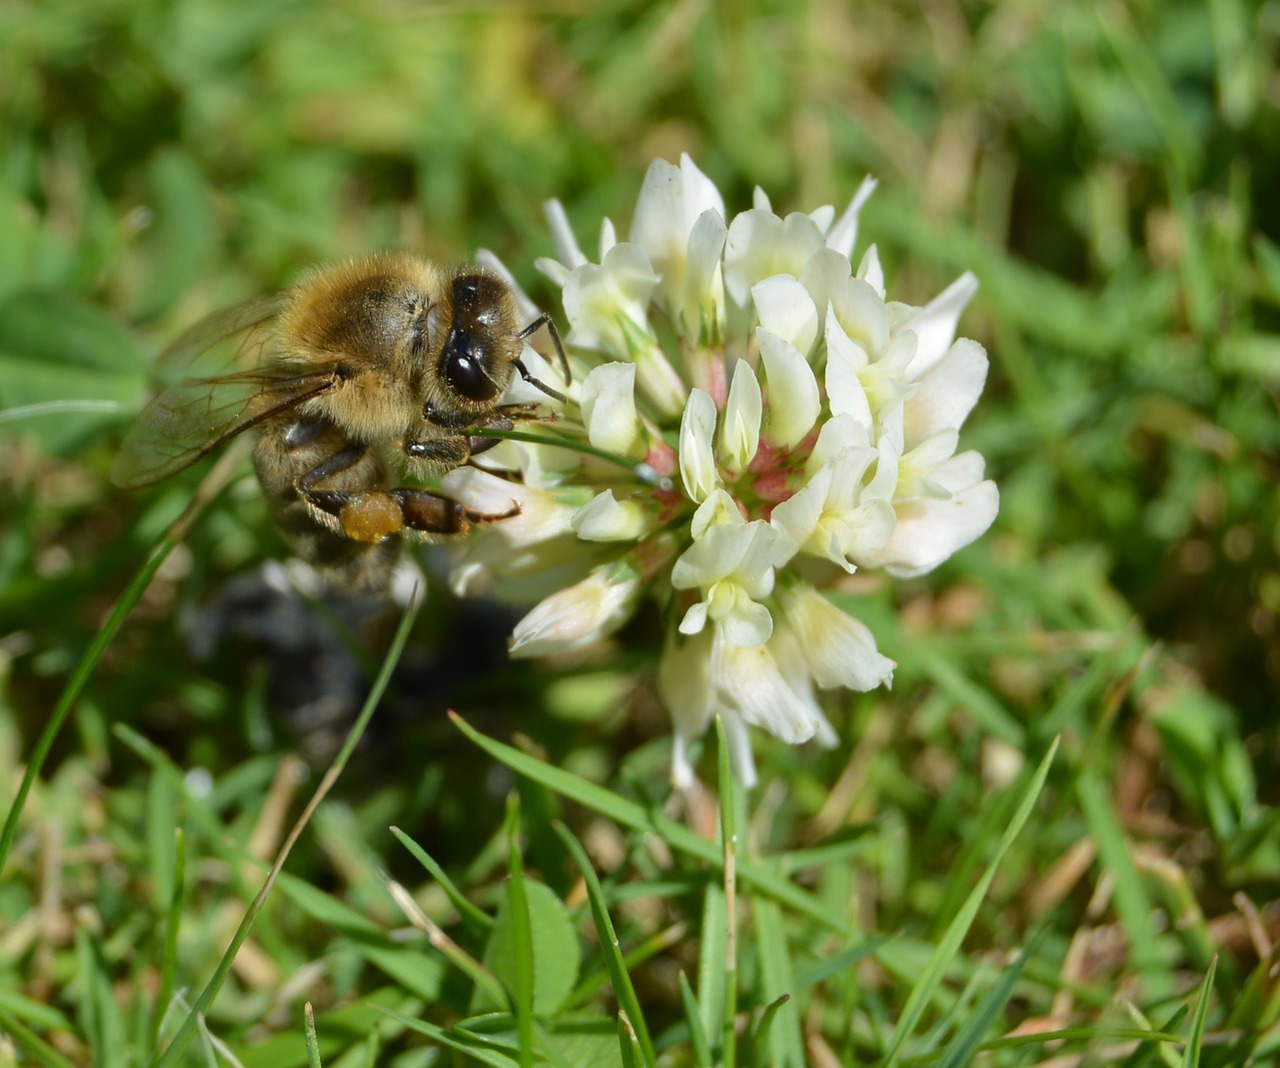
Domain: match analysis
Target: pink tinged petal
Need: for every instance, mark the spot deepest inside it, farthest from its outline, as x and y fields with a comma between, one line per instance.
x=606, y=519
x=609, y=408
x=567, y=250
x=929, y=531
x=839, y=650
x=748, y=680
x=794, y=402
x=935, y=323
x=583, y=613
x=697, y=451
x=785, y=308
x=845, y=360
x=862, y=314
x=871, y=272
x=946, y=394
x=844, y=235
x=740, y=432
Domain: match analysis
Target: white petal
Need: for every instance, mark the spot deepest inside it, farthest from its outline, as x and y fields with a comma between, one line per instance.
x=797, y=517
x=760, y=244
x=671, y=200
x=605, y=519
x=740, y=432
x=839, y=649
x=556, y=271
x=862, y=314
x=685, y=688
x=826, y=272
x=738, y=740
x=608, y=237
x=697, y=451
x=702, y=314
x=935, y=323
x=749, y=681
x=929, y=531
x=823, y=216
x=748, y=624
x=714, y=556
x=792, y=390
x=845, y=359
x=947, y=392
x=785, y=308
x=870, y=271
x=607, y=304
x=844, y=235
x=576, y=616
x=961, y=472
x=837, y=434
x=694, y=619
x=562, y=234
x=608, y=405
x=760, y=200
x=718, y=508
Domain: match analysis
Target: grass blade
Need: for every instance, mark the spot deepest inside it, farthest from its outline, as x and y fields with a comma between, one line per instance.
x=211, y=989
x=622, y=988
x=630, y=814
x=965, y=1044
x=947, y=948
x=205, y=493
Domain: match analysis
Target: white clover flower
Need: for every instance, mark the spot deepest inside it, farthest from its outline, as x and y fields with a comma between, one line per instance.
x=750, y=415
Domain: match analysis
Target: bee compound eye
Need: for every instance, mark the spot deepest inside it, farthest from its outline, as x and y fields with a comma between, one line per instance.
x=464, y=371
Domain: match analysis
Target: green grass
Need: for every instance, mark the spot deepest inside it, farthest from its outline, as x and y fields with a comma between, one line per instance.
x=1056, y=837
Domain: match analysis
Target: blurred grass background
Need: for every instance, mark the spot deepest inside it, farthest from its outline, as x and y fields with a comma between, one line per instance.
x=1109, y=171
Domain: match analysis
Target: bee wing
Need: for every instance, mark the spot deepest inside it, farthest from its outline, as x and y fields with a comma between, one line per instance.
x=235, y=336
x=191, y=419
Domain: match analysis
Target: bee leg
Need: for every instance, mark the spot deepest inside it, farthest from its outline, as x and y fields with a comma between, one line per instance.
x=360, y=515
x=430, y=513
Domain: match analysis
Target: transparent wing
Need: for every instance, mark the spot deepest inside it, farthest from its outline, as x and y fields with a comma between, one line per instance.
x=239, y=336
x=191, y=419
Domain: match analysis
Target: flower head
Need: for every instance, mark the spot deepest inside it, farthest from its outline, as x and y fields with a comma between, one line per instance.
x=752, y=419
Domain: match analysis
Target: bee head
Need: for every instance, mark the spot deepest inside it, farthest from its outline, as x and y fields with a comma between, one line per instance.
x=481, y=348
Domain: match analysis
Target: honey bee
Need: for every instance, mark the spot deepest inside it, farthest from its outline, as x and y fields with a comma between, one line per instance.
x=384, y=365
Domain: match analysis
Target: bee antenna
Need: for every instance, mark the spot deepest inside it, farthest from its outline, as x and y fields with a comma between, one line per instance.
x=537, y=383
x=545, y=320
